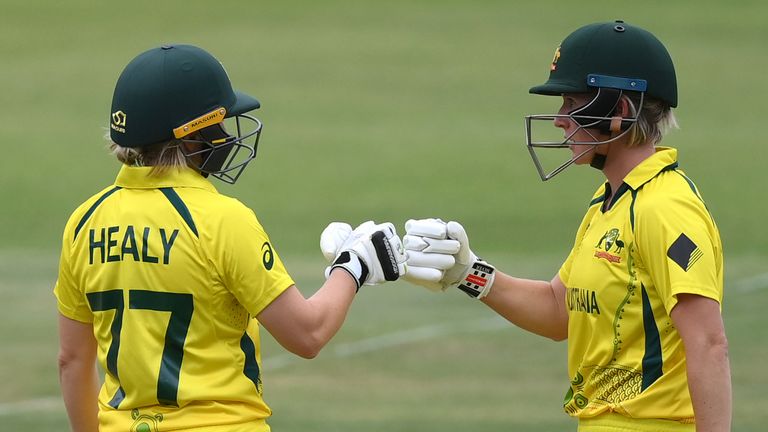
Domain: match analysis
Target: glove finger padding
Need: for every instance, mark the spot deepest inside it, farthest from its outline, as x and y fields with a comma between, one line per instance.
x=439, y=254
x=430, y=253
x=414, y=243
x=431, y=228
x=333, y=236
x=429, y=278
x=455, y=231
x=430, y=260
x=426, y=244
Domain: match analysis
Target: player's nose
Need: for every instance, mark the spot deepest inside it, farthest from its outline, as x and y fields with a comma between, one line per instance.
x=561, y=122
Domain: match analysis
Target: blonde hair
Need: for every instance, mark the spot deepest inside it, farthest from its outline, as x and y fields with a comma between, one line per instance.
x=655, y=120
x=161, y=156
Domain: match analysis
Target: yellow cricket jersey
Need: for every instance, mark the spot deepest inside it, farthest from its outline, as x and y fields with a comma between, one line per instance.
x=171, y=273
x=630, y=260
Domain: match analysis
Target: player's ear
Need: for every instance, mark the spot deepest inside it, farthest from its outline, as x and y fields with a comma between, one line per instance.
x=189, y=144
x=625, y=107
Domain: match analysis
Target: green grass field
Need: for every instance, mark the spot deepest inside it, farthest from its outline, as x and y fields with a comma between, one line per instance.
x=382, y=110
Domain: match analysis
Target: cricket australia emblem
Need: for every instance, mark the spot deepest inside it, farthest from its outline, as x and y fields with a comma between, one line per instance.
x=609, y=246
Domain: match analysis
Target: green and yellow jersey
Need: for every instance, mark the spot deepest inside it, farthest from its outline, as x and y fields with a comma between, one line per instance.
x=171, y=274
x=631, y=258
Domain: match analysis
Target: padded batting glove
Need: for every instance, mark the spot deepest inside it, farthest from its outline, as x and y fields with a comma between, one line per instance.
x=371, y=253
x=439, y=257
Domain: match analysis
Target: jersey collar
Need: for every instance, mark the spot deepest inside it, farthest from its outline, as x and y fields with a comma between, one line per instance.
x=665, y=158
x=139, y=178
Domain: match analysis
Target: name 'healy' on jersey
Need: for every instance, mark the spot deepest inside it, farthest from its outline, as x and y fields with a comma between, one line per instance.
x=134, y=243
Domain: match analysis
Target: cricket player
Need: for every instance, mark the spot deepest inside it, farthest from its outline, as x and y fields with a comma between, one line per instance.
x=166, y=282
x=638, y=297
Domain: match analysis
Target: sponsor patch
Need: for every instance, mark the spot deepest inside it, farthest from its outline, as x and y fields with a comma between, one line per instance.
x=684, y=252
x=478, y=277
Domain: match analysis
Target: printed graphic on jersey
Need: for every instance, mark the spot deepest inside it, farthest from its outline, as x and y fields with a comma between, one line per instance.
x=574, y=400
x=614, y=385
x=684, y=252
x=610, y=246
x=145, y=422
x=611, y=385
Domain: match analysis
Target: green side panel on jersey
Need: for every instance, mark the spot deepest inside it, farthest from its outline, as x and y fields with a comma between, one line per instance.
x=652, y=361
x=251, y=367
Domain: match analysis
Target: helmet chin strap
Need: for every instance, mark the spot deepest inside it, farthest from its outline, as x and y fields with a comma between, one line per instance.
x=599, y=159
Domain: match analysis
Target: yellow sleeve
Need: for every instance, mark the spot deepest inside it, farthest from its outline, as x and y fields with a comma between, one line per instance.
x=250, y=266
x=71, y=300
x=680, y=246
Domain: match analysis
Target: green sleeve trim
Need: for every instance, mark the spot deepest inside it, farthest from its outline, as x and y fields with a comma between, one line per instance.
x=690, y=184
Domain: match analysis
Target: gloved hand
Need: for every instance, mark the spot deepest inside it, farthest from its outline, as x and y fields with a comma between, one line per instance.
x=439, y=257
x=371, y=253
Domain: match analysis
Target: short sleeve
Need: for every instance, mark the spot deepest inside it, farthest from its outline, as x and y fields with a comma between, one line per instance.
x=680, y=246
x=249, y=264
x=71, y=300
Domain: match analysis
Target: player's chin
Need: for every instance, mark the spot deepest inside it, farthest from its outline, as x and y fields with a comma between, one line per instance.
x=584, y=160
x=577, y=150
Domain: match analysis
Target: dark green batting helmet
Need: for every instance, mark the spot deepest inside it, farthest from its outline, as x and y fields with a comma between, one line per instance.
x=609, y=60
x=168, y=87
x=182, y=92
x=618, y=54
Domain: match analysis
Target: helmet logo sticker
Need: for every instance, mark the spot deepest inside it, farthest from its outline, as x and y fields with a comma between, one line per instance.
x=118, y=121
x=205, y=120
x=555, y=59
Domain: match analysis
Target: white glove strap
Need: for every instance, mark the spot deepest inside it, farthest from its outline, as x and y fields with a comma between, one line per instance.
x=353, y=265
x=478, y=279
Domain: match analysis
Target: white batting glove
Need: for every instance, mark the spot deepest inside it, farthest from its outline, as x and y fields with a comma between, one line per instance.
x=333, y=236
x=439, y=257
x=371, y=253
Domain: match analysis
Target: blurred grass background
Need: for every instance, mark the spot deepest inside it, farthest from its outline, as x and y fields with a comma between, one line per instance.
x=383, y=110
